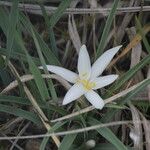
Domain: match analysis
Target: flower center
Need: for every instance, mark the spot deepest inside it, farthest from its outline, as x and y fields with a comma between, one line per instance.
x=87, y=84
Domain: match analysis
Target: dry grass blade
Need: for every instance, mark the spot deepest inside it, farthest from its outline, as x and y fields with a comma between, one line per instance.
x=35, y=9
x=148, y=76
x=74, y=33
x=93, y=3
x=126, y=20
x=131, y=45
x=10, y=125
x=135, y=55
x=11, y=141
x=26, y=78
x=146, y=126
x=19, y=134
x=136, y=132
x=41, y=114
x=137, y=50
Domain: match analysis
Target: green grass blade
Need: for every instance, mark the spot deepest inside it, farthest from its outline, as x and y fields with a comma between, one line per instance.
x=67, y=142
x=129, y=74
x=107, y=146
x=50, y=83
x=109, y=115
x=26, y=102
x=20, y=113
x=49, y=55
x=134, y=92
x=54, y=127
x=2, y=62
x=13, y=19
x=35, y=71
x=140, y=29
x=16, y=52
x=14, y=99
x=108, y=135
x=38, y=79
x=106, y=30
x=19, y=56
x=5, y=77
x=59, y=12
x=4, y=20
x=50, y=31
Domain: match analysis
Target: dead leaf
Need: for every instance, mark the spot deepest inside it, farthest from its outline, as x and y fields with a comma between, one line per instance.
x=136, y=132
x=74, y=33
x=148, y=87
x=146, y=127
x=135, y=55
x=132, y=44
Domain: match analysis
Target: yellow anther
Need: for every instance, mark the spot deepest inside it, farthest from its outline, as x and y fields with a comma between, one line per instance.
x=87, y=84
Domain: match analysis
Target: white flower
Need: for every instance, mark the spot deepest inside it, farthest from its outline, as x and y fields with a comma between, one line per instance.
x=88, y=78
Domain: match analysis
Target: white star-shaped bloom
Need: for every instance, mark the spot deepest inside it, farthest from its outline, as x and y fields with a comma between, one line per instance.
x=89, y=78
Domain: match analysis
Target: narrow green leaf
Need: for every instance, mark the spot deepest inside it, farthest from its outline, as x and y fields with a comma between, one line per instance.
x=19, y=56
x=35, y=71
x=5, y=76
x=4, y=20
x=53, y=128
x=145, y=41
x=134, y=92
x=38, y=79
x=14, y=99
x=50, y=83
x=20, y=113
x=59, y=12
x=17, y=52
x=107, y=146
x=109, y=115
x=108, y=135
x=67, y=142
x=2, y=62
x=106, y=30
x=129, y=74
x=13, y=18
x=26, y=102
x=49, y=55
x=50, y=31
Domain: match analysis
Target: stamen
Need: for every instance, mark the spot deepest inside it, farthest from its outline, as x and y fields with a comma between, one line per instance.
x=87, y=84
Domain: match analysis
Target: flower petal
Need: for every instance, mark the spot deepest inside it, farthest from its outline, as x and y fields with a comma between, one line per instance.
x=64, y=73
x=101, y=63
x=84, y=64
x=95, y=99
x=74, y=93
x=104, y=81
